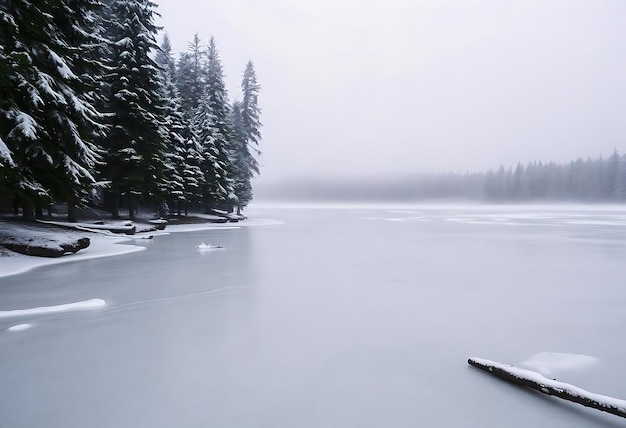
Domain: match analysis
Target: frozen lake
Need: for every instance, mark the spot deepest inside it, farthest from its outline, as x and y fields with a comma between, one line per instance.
x=352, y=317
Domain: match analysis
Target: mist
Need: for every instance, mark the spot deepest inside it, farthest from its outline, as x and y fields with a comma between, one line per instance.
x=353, y=89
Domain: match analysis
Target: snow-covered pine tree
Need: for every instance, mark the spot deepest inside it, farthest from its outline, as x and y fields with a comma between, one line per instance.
x=177, y=130
x=241, y=156
x=246, y=124
x=250, y=111
x=47, y=119
x=165, y=58
x=135, y=146
x=8, y=167
x=193, y=176
x=190, y=77
x=213, y=134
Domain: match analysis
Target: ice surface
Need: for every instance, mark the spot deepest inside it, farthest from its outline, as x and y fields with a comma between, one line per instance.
x=78, y=306
x=548, y=363
x=329, y=321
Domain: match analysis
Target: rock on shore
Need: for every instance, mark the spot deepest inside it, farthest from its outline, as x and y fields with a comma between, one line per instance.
x=40, y=242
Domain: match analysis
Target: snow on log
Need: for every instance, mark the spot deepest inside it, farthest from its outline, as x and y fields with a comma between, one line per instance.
x=126, y=228
x=542, y=384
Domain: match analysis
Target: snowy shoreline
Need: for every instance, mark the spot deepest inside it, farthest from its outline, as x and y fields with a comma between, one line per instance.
x=108, y=246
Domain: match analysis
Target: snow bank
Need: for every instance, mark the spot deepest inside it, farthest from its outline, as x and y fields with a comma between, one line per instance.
x=34, y=236
x=78, y=306
x=547, y=363
x=101, y=246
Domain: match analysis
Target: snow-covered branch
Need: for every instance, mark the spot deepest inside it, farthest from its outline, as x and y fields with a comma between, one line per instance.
x=542, y=384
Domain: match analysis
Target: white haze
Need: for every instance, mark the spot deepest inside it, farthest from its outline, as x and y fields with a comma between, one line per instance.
x=353, y=88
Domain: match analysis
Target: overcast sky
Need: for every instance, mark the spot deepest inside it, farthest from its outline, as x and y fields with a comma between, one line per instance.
x=383, y=87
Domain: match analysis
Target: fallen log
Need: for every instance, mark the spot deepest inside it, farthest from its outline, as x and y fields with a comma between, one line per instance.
x=547, y=386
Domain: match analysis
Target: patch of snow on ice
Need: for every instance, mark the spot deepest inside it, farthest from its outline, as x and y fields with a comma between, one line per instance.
x=204, y=246
x=19, y=327
x=547, y=363
x=78, y=306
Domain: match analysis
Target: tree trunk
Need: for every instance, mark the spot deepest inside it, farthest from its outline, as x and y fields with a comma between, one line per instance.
x=186, y=209
x=72, y=213
x=28, y=209
x=115, y=205
x=131, y=208
x=544, y=385
x=38, y=212
x=179, y=207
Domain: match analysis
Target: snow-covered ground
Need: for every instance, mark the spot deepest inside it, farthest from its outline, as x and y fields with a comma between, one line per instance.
x=101, y=246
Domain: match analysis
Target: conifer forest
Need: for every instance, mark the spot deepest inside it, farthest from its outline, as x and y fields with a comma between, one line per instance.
x=97, y=109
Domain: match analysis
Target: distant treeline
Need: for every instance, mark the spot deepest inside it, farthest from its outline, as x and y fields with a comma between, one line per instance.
x=602, y=180
x=92, y=110
x=590, y=180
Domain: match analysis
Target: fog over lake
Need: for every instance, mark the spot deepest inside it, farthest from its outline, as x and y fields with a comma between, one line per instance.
x=354, y=316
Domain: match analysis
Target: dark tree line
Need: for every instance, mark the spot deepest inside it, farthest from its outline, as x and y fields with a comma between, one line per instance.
x=92, y=108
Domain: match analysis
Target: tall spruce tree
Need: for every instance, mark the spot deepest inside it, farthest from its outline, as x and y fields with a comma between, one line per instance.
x=175, y=128
x=250, y=111
x=165, y=59
x=243, y=171
x=213, y=134
x=193, y=176
x=47, y=119
x=246, y=124
x=136, y=145
x=190, y=76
